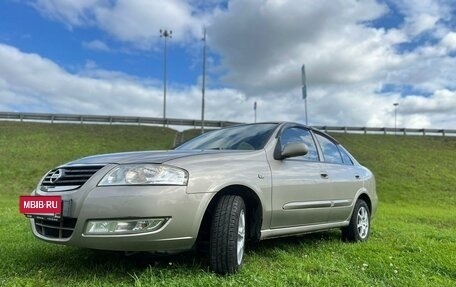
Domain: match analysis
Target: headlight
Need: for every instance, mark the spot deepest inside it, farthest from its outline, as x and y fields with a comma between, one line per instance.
x=145, y=174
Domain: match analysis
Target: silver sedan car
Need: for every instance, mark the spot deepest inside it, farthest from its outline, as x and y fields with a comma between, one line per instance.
x=221, y=189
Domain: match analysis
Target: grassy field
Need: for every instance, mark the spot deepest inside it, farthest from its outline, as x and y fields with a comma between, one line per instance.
x=413, y=240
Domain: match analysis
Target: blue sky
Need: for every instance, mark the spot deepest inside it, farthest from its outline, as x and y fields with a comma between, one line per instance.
x=24, y=28
x=106, y=57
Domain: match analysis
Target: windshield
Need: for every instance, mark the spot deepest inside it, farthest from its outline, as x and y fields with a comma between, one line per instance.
x=245, y=137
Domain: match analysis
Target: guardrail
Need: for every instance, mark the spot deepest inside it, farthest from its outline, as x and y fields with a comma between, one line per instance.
x=398, y=131
x=100, y=119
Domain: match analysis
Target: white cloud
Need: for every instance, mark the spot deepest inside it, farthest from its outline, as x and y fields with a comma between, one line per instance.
x=34, y=82
x=440, y=101
x=449, y=41
x=262, y=45
x=96, y=45
x=136, y=22
x=57, y=90
x=421, y=23
x=71, y=12
x=423, y=16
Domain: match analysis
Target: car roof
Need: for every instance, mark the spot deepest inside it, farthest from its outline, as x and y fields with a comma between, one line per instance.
x=285, y=124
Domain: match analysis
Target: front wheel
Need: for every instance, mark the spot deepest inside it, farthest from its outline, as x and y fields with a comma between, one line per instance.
x=359, y=227
x=227, y=237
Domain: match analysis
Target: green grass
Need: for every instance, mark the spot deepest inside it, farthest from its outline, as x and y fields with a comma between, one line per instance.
x=413, y=240
x=28, y=150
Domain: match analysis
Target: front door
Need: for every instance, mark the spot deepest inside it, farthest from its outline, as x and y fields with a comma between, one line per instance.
x=301, y=191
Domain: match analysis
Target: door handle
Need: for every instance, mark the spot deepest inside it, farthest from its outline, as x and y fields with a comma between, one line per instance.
x=324, y=175
x=357, y=176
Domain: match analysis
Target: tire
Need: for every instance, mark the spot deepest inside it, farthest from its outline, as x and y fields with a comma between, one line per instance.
x=227, y=235
x=359, y=228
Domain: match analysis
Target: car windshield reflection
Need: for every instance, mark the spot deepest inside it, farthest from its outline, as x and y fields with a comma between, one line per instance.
x=245, y=137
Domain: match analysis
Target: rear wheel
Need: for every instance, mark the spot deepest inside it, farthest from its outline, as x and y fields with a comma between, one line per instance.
x=359, y=227
x=227, y=236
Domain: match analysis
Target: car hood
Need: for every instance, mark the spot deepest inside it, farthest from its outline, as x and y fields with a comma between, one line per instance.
x=144, y=156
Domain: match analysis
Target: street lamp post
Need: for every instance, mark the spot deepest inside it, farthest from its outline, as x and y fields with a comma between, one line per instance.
x=396, y=105
x=203, y=90
x=165, y=34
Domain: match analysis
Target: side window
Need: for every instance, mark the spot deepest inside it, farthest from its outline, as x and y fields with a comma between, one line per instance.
x=300, y=135
x=345, y=157
x=330, y=151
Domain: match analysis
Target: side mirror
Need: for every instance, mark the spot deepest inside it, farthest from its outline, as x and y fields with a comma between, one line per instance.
x=294, y=149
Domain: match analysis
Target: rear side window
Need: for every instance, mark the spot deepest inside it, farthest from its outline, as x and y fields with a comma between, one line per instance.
x=293, y=135
x=330, y=150
x=345, y=157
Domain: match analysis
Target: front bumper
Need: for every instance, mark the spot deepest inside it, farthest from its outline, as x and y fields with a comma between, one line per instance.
x=184, y=212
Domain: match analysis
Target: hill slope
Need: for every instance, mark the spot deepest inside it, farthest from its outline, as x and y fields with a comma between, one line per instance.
x=408, y=169
x=28, y=150
x=413, y=241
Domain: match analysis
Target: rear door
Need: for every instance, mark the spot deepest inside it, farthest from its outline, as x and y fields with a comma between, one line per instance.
x=300, y=194
x=343, y=175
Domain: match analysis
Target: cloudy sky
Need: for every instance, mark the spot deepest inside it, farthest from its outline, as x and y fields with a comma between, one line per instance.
x=106, y=57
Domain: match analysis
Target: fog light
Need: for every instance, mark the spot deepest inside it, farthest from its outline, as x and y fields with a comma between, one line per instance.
x=124, y=226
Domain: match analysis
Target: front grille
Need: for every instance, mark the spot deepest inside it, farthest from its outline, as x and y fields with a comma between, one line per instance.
x=68, y=177
x=56, y=229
